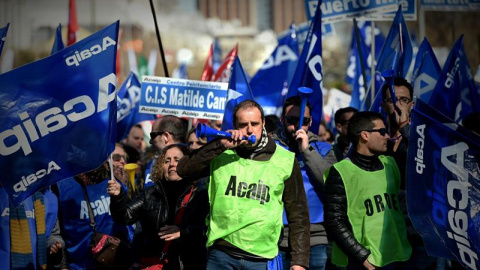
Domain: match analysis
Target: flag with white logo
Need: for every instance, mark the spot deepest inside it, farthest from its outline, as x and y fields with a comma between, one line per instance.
x=238, y=91
x=455, y=93
x=275, y=75
x=58, y=115
x=425, y=72
x=309, y=72
x=443, y=185
x=58, y=44
x=128, y=100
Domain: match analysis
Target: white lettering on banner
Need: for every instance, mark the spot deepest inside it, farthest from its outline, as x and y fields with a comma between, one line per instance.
x=451, y=75
x=52, y=119
x=338, y=6
x=85, y=54
x=28, y=213
x=32, y=178
x=127, y=105
x=99, y=207
x=217, y=103
x=452, y=157
x=283, y=53
x=420, y=144
x=315, y=60
x=188, y=98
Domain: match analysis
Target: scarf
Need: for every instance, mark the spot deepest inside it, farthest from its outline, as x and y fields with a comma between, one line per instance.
x=21, y=254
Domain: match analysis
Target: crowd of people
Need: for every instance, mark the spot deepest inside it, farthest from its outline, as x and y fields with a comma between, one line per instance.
x=305, y=200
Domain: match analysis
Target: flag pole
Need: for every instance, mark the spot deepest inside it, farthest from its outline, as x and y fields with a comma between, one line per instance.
x=360, y=54
x=373, y=64
x=159, y=39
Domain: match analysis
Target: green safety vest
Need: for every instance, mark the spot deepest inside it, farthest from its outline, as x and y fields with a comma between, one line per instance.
x=374, y=212
x=246, y=201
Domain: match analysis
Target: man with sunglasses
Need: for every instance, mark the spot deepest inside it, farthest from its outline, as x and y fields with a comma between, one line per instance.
x=314, y=157
x=362, y=211
x=342, y=143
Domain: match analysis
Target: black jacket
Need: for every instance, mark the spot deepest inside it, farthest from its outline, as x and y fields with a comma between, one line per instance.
x=197, y=164
x=336, y=220
x=152, y=210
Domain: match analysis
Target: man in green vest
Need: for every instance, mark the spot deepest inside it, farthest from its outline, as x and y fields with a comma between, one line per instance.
x=362, y=211
x=249, y=185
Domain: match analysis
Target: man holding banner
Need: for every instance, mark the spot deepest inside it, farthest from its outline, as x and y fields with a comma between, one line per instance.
x=362, y=212
x=250, y=182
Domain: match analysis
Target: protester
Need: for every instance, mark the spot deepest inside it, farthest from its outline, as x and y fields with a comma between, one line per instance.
x=248, y=184
x=193, y=142
x=135, y=138
x=166, y=130
x=272, y=124
x=120, y=158
x=157, y=209
x=322, y=132
x=30, y=234
x=342, y=118
x=75, y=221
x=314, y=157
x=361, y=201
x=216, y=124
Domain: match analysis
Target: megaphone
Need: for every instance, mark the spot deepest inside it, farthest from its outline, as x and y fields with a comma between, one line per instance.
x=304, y=93
x=203, y=130
x=388, y=75
x=131, y=168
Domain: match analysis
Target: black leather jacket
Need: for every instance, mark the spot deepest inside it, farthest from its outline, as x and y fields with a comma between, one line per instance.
x=336, y=220
x=150, y=208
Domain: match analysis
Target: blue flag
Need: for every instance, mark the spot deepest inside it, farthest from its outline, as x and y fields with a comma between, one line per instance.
x=180, y=72
x=238, y=91
x=397, y=51
x=443, y=185
x=354, y=68
x=3, y=36
x=309, y=70
x=128, y=99
x=58, y=44
x=425, y=72
x=455, y=94
x=276, y=73
x=396, y=54
x=58, y=115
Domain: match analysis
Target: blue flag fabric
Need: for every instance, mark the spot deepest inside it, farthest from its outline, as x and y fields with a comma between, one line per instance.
x=238, y=91
x=58, y=44
x=354, y=72
x=397, y=51
x=455, y=93
x=128, y=114
x=443, y=185
x=309, y=72
x=425, y=72
x=275, y=75
x=3, y=36
x=396, y=54
x=58, y=115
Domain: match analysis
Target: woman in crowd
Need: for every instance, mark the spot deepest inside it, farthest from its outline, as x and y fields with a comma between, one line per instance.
x=194, y=142
x=172, y=214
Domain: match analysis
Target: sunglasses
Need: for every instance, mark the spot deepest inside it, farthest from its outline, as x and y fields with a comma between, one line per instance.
x=402, y=100
x=118, y=157
x=382, y=131
x=154, y=134
x=293, y=120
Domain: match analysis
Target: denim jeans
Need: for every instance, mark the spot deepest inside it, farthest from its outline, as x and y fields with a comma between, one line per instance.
x=318, y=258
x=220, y=260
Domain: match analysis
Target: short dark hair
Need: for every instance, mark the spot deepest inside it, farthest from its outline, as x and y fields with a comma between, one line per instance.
x=359, y=122
x=244, y=105
x=272, y=123
x=340, y=112
x=398, y=81
x=175, y=126
x=295, y=101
